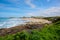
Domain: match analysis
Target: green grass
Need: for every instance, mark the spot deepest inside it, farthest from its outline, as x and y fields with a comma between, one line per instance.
x=49, y=32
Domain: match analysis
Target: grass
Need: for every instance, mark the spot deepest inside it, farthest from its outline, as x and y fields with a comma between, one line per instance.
x=49, y=32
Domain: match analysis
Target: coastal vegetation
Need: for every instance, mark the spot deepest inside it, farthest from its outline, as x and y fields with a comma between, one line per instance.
x=47, y=32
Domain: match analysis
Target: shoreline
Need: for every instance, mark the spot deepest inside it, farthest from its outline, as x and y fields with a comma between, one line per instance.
x=13, y=30
x=25, y=21
x=33, y=24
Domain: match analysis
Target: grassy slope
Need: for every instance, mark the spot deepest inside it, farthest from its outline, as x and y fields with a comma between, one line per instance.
x=49, y=32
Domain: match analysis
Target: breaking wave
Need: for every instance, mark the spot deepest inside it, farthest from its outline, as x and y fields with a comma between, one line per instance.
x=12, y=22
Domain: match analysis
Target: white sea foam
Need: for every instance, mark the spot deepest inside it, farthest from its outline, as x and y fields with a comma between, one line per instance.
x=12, y=22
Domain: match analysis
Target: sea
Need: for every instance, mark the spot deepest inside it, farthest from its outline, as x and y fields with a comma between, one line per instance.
x=11, y=22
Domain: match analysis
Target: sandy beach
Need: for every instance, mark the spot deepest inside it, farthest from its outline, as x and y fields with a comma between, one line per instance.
x=33, y=20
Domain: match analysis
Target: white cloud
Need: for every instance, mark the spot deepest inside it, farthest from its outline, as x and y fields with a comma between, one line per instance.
x=28, y=2
x=53, y=11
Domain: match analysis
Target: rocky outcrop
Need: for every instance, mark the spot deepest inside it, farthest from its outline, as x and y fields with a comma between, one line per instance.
x=7, y=31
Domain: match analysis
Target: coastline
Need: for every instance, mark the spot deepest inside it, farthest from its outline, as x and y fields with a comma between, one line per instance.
x=13, y=30
x=32, y=24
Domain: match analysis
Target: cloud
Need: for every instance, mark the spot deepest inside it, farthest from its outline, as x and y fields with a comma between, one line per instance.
x=28, y=2
x=53, y=11
x=48, y=0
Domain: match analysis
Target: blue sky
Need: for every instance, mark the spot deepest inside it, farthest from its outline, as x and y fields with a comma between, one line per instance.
x=18, y=8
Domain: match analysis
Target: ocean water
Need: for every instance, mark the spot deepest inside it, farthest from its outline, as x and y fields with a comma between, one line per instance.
x=11, y=22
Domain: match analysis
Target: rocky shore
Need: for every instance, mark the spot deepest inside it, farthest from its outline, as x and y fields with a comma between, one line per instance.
x=28, y=27
x=33, y=24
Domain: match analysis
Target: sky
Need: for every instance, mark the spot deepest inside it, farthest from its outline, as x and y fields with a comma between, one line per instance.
x=20, y=8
